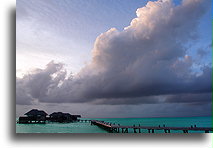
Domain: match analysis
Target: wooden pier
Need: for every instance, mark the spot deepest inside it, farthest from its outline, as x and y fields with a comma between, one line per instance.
x=113, y=128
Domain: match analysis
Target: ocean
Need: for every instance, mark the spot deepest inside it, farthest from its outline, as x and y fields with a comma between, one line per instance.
x=82, y=127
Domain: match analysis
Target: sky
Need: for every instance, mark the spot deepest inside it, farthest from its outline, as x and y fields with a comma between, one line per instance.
x=114, y=58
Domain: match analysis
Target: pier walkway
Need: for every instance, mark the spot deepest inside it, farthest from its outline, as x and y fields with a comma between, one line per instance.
x=151, y=129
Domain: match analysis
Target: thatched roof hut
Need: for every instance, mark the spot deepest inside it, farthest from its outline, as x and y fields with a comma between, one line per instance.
x=56, y=114
x=60, y=117
x=33, y=116
x=36, y=113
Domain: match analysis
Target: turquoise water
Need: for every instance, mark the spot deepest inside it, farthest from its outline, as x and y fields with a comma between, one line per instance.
x=82, y=127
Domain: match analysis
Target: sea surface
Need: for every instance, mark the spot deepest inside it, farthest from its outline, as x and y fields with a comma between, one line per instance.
x=82, y=127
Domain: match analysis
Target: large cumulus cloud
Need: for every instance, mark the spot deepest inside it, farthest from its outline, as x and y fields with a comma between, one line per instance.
x=144, y=63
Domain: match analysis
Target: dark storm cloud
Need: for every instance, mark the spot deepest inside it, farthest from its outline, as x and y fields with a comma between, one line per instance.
x=36, y=84
x=129, y=101
x=189, y=98
x=22, y=96
x=144, y=63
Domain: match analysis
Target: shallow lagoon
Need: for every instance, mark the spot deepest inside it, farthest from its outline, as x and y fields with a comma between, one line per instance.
x=82, y=127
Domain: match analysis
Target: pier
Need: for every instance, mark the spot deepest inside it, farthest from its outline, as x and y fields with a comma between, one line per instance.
x=116, y=128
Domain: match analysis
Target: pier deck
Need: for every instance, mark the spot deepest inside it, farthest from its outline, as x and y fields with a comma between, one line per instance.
x=151, y=129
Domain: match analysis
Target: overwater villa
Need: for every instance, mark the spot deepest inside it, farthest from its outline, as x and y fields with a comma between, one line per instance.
x=62, y=117
x=33, y=116
x=40, y=116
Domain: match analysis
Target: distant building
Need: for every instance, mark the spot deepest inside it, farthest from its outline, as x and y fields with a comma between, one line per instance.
x=75, y=117
x=40, y=116
x=33, y=116
x=62, y=117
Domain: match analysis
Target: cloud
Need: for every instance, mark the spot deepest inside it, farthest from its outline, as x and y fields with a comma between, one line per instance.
x=203, y=51
x=189, y=98
x=22, y=96
x=144, y=63
x=36, y=84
